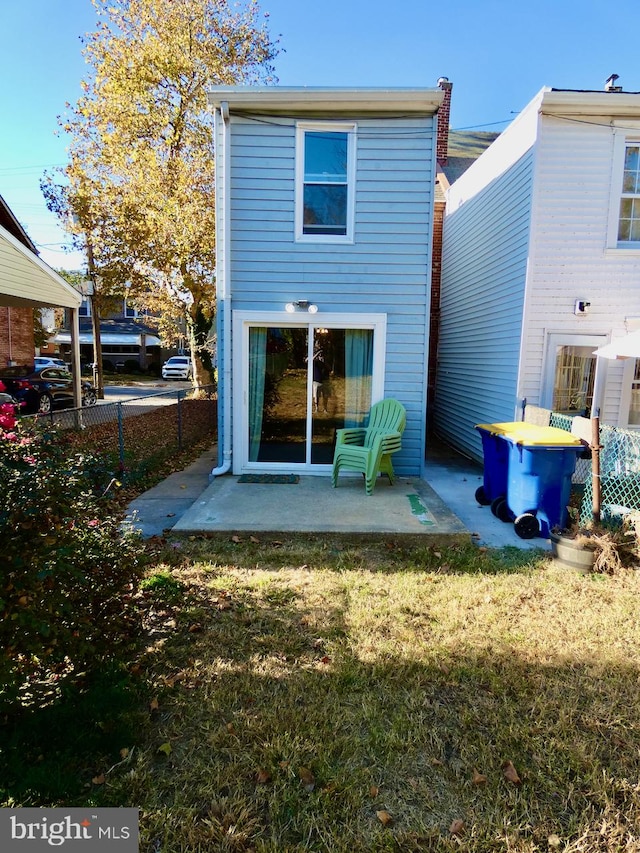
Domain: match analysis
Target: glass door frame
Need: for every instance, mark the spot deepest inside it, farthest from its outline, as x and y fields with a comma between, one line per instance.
x=242, y=322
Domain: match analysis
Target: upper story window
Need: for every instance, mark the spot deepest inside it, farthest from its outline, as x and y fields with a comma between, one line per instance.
x=325, y=182
x=85, y=308
x=128, y=310
x=629, y=220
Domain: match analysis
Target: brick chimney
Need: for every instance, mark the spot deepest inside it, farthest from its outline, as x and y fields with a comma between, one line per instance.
x=443, y=121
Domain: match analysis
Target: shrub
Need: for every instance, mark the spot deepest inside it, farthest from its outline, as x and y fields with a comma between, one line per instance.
x=68, y=569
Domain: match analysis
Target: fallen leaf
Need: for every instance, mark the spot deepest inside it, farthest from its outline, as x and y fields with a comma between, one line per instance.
x=254, y=539
x=283, y=764
x=183, y=487
x=124, y=752
x=307, y=778
x=170, y=514
x=457, y=827
x=195, y=628
x=374, y=791
x=263, y=777
x=154, y=705
x=478, y=778
x=553, y=840
x=510, y=773
x=435, y=762
x=99, y=780
x=165, y=748
x=325, y=659
x=277, y=543
x=236, y=539
x=384, y=817
x=231, y=728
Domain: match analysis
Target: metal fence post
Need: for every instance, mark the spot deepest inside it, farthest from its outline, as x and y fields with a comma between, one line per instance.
x=180, y=393
x=120, y=437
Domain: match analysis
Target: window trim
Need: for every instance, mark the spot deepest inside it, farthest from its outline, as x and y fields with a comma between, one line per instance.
x=620, y=142
x=350, y=128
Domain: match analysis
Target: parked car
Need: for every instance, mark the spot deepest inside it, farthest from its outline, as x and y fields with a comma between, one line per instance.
x=40, y=391
x=177, y=367
x=42, y=361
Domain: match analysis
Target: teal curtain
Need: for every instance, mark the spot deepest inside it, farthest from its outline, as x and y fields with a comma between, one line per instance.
x=358, y=371
x=257, y=373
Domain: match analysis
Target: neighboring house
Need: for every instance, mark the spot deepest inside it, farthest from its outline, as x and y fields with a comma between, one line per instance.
x=124, y=335
x=456, y=151
x=16, y=324
x=324, y=215
x=541, y=265
x=26, y=284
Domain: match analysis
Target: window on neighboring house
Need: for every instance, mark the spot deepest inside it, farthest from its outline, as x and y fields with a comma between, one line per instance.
x=634, y=403
x=629, y=219
x=85, y=309
x=325, y=182
x=129, y=311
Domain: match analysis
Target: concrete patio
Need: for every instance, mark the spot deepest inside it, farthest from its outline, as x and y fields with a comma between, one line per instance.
x=443, y=507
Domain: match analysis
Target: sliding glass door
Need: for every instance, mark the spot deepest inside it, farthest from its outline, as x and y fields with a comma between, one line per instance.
x=304, y=383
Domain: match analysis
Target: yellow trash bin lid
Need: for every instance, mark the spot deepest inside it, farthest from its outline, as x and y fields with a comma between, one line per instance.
x=527, y=434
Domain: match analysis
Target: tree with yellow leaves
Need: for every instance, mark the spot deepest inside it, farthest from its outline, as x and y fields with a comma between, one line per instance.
x=138, y=191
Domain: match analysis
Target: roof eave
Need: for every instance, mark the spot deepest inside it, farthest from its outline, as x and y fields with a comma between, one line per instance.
x=302, y=99
x=618, y=104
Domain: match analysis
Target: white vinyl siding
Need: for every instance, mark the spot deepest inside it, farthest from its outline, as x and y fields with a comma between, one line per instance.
x=385, y=270
x=484, y=267
x=575, y=169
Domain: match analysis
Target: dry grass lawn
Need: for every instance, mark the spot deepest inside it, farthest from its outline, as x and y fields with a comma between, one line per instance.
x=314, y=696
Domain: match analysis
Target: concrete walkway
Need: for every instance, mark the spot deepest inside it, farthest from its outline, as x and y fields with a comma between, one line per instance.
x=445, y=506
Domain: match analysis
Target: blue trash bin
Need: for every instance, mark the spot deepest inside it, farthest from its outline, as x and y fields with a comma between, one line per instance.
x=534, y=465
x=495, y=454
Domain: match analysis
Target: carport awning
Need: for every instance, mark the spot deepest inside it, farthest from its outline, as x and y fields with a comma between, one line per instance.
x=110, y=338
x=26, y=281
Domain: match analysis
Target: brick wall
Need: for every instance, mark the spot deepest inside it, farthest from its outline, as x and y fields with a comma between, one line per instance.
x=442, y=144
x=434, y=320
x=16, y=336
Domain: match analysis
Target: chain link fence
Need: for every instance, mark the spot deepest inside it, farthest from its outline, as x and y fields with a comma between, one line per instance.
x=138, y=434
x=619, y=465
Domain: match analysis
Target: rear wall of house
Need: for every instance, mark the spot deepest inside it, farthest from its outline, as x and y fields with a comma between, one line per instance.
x=386, y=269
x=569, y=260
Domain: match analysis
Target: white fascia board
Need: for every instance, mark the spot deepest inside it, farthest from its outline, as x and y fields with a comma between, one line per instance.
x=605, y=104
x=40, y=285
x=302, y=99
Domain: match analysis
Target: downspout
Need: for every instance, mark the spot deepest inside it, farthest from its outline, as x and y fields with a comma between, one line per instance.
x=223, y=281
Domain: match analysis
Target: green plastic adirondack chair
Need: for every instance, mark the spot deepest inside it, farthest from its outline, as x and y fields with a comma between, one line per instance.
x=368, y=450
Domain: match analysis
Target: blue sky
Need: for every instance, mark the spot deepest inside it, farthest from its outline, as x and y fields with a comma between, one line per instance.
x=497, y=54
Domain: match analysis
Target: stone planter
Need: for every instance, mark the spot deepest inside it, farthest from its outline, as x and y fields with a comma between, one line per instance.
x=570, y=553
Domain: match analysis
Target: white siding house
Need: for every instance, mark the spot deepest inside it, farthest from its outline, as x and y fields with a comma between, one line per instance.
x=324, y=223
x=541, y=265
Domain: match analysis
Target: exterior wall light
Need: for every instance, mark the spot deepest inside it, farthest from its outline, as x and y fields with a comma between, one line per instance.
x=303, y=305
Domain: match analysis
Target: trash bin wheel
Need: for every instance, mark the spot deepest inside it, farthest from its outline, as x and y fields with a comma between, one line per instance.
x=495, y=503
x=481, y=496
x=504, y=513
x=527, y=526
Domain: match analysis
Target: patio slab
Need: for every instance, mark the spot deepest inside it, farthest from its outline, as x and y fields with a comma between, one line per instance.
x=444, y=506
x=312, y=505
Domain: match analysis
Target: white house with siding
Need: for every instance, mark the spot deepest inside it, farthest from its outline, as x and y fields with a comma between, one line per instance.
x=324, y=209
x=541, y=265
